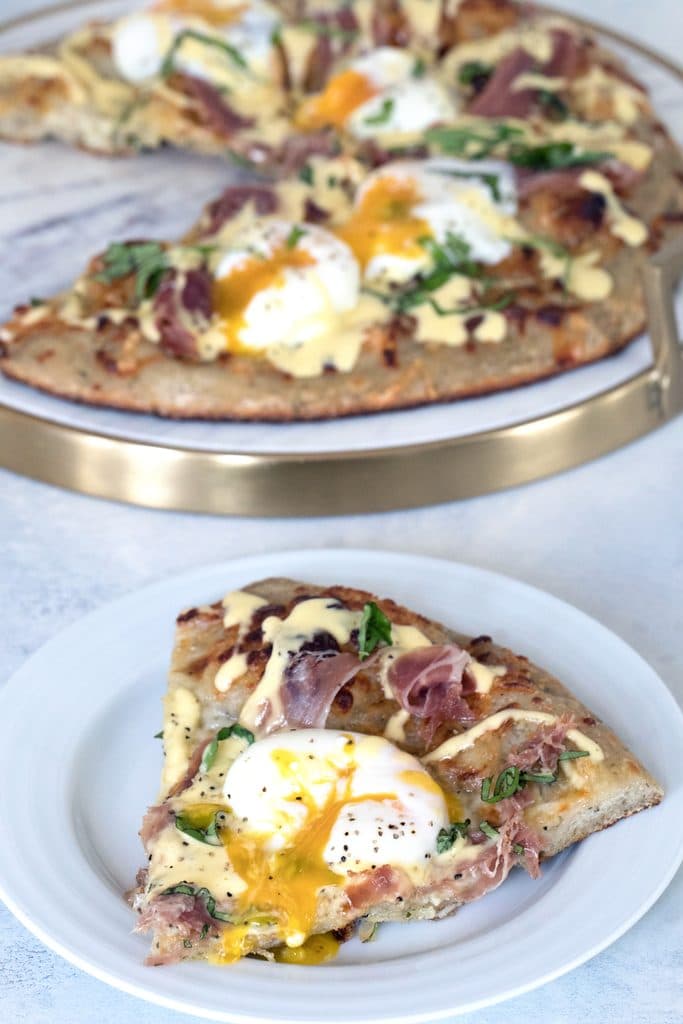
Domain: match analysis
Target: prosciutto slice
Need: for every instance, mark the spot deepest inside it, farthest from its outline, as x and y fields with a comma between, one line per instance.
x=543, y=746
x=155, y=821
x=428, y=682
x=312, y=681
x=499, y=98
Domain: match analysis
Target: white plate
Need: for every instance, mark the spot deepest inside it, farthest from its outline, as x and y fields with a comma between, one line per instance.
x=79, y=764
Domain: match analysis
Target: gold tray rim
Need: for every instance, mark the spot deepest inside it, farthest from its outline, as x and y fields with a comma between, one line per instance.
x=264, y=484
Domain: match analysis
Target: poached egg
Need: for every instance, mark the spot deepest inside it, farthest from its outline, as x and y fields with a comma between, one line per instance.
x=403, y=204
x=281, y=284
x=141, y=42
x=378, y=94
x=312, y=807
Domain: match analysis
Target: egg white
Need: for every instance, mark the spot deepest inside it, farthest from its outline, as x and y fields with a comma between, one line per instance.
x=394, y=810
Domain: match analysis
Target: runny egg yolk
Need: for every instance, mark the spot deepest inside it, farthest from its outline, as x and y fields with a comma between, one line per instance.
x=384, y=222
x=207, y=10
x=233, y=292
x=338, y=100
x=282, y=886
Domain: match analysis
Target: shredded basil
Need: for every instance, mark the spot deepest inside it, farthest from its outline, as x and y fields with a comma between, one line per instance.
x=571, y=755
x=374, y=629
x=475, y=144
x=553, y=104
x=294, y=236
x=473, y=70
x=35, y=301
x=168, y=64
x=208, y=835
x=383, y=114
x=447, y=836
x=491, y=181
x=553, y=156
x=187, y=944
x=204, y=932
x=306, y=174
x=507, y=783
x=518, y=848
x=209, y=755
x=419, y=68
x=488, y=830
x=346, y=35
x=159, y=735
x=538, y=777
x=203, y=894
x=147, y=260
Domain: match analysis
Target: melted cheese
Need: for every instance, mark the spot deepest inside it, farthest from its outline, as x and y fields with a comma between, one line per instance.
x=629, y=229
x=531, y=80
x=182, y=714
x=230, y=671
x=626, y=101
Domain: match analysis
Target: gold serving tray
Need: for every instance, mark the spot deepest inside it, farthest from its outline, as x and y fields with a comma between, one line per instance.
x=370, y=480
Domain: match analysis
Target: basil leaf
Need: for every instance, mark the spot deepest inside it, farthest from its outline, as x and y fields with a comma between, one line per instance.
x=507, y=783
x=294, y=235
x=306, y=174
x=474, y=70
x=147, y=260
x=553, y=156
x=159, y=735
x=447, y=836
x=538, y=777
x=419, y=67
x=35, y=301
x=488, y=830
x=475, y=144
x=190, y=33
x=571, y=755
x=553, y=104
x=383, y=114
x=203, y=894
x=208, y=835
x=374, y=629
x=209, y=755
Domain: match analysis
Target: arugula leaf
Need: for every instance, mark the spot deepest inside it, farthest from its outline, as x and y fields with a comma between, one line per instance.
x=571, y=755
x=374, y=629
x=209, y=755
x=383, y=114
x=168, y=64
x=294, y=235
x=306, y=174
x=488, y=830
x=208, y=835
x=553, y=156
x=147, y=260
x=447, y=836
x=203, y=894
x=473, y=70
x=460, y=141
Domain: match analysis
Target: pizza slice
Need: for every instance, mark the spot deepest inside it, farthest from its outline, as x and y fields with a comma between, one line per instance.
x=334, y=760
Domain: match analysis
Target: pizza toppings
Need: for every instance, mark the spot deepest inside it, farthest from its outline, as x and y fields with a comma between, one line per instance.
x=428, y=683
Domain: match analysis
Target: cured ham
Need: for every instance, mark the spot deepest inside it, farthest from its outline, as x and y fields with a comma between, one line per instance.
x=428, y=682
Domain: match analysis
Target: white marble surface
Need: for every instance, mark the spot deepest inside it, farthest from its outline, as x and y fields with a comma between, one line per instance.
x=606, y=537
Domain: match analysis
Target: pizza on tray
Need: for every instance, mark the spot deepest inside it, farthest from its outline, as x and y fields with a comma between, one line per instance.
x=334, y=760
x=461, y=200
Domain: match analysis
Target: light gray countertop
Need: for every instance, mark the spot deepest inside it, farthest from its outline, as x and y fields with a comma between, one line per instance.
x=606, y=537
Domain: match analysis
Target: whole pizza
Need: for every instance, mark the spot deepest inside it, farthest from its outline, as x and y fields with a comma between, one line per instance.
x=440, y=199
